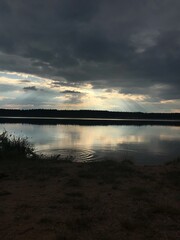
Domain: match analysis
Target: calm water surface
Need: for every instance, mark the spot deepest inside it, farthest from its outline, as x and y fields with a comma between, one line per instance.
x=144, y=144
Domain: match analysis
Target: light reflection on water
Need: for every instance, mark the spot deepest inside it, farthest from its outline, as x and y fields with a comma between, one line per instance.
x=144, y=144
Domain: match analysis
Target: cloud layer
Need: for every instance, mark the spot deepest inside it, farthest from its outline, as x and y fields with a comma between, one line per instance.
x=132, y=47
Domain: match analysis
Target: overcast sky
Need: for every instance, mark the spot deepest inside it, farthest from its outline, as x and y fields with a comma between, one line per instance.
x=76, y=54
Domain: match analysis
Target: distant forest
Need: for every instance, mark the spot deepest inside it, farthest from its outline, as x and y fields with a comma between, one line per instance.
x=86, y=114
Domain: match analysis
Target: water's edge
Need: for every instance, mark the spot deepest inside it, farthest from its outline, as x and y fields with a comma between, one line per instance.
x=89, y=121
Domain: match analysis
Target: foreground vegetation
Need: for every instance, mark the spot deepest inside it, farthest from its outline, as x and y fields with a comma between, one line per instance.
x=51, y=198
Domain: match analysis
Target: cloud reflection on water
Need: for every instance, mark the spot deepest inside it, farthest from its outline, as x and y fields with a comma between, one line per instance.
x=143, y=144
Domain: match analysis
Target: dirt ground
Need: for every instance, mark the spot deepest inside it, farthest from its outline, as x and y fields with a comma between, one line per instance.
x=57, y=200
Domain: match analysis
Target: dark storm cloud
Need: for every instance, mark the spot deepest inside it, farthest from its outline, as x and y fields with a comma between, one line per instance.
x=132, y=45
x=25, y=81
x=32, y=88
x=4, y=7
x=156, y=92
x=70, y=92
x=35, y=89
x=59, y=83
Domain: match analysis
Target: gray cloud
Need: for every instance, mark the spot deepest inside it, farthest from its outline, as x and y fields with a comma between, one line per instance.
x=25, y=81
x=73, y=100
x=32, y=88
x=70, y=92
x=129, y=45
x=7, y=88
x=73, y=97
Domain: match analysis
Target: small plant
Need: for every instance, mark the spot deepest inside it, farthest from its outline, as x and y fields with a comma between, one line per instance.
x=10, y=144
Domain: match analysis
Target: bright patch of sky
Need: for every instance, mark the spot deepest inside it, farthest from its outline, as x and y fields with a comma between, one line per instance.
x=26, y=91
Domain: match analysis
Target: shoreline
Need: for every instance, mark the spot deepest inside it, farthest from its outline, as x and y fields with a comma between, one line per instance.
x=89, y=121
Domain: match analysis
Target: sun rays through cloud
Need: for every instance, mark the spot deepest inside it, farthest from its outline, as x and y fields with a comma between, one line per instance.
x=119, y=55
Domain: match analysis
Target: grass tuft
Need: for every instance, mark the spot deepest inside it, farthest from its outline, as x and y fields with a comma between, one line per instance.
x=12, y=146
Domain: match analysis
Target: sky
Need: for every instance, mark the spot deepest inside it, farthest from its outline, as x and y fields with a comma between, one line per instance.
x=118, y=55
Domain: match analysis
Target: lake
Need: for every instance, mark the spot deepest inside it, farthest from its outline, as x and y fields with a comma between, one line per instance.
x=143, y=144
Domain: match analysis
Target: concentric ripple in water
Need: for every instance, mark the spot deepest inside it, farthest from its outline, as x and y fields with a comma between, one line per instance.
x=78, y=155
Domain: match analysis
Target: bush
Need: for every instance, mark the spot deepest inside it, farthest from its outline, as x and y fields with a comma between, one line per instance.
x=10, y=145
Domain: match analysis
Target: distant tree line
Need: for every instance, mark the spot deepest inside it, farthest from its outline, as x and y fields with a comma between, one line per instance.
x=86, y=114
